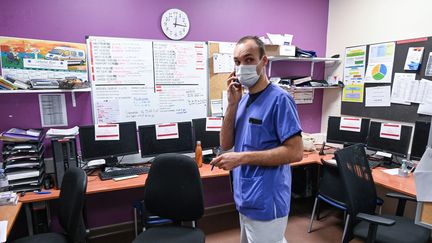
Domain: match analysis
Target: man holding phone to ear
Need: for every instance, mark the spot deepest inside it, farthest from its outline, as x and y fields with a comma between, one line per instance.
x=264, y=129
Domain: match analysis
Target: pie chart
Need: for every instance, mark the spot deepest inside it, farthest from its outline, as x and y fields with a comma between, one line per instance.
x=379, y=71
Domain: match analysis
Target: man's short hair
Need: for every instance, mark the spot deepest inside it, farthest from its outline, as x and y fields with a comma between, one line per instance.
x=257, y=40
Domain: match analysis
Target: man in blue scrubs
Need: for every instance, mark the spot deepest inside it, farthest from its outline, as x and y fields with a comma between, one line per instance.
x=264, y=129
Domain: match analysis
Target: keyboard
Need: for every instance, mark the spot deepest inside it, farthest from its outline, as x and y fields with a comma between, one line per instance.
x=107, y=175
x=373, y=164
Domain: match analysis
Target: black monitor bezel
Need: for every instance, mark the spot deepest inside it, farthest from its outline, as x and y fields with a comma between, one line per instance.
x=110, y=156
x=208, y=134
x=374, y=148
x=149, y=155
x=363, y=130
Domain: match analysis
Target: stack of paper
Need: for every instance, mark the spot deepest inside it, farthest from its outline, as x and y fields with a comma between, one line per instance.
x=70, y=132
x=24, y=163
x=8, y=198
x=21, y=135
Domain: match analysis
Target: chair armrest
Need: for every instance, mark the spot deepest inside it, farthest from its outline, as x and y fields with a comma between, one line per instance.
x=375, y=219
x=401, y=196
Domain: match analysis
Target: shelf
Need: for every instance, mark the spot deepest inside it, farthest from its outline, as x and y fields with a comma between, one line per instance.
x=311, y=60
x=308, y=88
x=24, y=91
x=303, y=59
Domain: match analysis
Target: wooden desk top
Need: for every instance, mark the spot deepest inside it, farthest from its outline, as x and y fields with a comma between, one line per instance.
x=95, y=185
x=10, y=213
x=405, y=185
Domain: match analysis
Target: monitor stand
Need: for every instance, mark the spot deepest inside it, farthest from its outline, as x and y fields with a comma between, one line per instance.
x=111, y=162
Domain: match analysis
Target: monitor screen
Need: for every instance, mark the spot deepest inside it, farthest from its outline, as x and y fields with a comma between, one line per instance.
x=108, y=149
x=209, y=139
x=393, y=146
x=335, y=135
x=420, y=139
x=151, y=147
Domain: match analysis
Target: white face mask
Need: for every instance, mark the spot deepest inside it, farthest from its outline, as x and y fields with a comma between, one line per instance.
x=247, y=75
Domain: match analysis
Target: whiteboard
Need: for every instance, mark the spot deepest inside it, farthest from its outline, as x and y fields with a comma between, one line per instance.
x=147, y=81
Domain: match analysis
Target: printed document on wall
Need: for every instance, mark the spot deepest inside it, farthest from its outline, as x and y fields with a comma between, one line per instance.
x=403, y=85
x=223, y=63
x=53, y=110
x=354, y=67
x=380, y=63
x=26, y=59
x=428, y=71
x=378, y=96
x=414, y=58
x=425, y=107
x=353, y=93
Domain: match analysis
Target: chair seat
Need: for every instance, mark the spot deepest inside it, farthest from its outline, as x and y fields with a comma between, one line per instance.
x=171, y=234
x=404, y=230
x=43, y=238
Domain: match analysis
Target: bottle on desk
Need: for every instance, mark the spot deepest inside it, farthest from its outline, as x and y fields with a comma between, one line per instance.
x=198, y=154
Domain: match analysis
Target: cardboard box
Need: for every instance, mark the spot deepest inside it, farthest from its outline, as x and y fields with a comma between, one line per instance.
x=277, y=50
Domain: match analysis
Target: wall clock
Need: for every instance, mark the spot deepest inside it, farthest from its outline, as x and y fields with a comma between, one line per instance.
x=175, y=24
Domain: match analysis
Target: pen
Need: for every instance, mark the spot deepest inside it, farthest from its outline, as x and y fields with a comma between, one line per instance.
x=217, y=152
x=42, y=192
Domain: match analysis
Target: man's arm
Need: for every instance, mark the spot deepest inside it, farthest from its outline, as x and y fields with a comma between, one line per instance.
x=227, y=131
x=290, y=151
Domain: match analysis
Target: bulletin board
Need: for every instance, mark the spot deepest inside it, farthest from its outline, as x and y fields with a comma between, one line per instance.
x=147, y=81
x=217, y=81
x=396, y=112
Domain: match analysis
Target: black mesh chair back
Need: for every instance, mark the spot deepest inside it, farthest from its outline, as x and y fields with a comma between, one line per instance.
x=357, y=179
x=72, y=194
x=330, y=185
x=174, y=188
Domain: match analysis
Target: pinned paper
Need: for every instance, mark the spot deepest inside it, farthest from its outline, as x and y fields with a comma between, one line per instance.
x=352, y=124
x=414, y=57
x=216, y=107
x=390, y=131
x=104, y=132
x=213, y=124
x=167, y=131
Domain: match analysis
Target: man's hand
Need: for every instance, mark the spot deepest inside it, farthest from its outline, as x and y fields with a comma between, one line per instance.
x=234, y=90
x=228, y=161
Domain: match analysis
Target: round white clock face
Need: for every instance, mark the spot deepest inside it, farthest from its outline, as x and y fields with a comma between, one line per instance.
x=175, y=24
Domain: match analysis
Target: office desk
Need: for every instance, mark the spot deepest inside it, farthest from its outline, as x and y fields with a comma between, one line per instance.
x=95, y=185
x=9, y=213
x=405, y=185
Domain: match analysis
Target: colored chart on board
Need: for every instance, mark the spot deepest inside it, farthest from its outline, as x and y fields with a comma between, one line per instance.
x=379, y=71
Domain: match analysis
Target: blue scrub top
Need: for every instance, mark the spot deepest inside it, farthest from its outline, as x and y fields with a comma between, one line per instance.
x=263, y=192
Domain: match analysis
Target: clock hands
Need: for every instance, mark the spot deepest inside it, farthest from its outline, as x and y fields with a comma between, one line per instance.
x=180, y=25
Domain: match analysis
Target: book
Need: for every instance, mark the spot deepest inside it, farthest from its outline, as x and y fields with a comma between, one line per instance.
x=17, y=82
x=301, y=80
x=20, y=134
x=7, y=84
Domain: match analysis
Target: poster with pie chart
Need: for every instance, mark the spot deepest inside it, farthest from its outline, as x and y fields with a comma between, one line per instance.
x=380, y=63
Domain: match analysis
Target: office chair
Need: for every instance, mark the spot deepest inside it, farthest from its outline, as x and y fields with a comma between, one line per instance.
x=174, y=191
x=328, y=191
x=361, y=198
x=71, y=203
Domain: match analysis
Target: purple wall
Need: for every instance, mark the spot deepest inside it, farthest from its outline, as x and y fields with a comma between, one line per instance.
x=224, y=20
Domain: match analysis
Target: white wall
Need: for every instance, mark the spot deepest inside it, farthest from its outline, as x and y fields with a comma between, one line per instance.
x=357, y=22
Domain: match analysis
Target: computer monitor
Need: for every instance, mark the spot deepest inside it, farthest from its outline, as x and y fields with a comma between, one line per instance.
x=209, y=139
x=420, y=139
x=336, y=135
x=393, y=146
x=108, y=149
x=150, y=146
